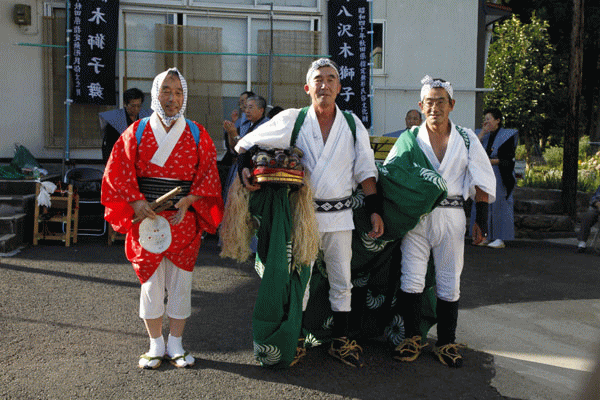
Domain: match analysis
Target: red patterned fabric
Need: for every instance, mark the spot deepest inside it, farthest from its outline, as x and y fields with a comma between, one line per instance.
x=187, y=162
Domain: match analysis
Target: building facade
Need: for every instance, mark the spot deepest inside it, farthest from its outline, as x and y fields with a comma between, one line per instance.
x=222, y=48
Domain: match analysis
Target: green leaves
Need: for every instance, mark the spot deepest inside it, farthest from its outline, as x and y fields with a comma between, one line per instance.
x=520, y=70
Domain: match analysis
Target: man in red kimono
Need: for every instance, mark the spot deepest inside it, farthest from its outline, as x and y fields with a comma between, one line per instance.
x=152, y=157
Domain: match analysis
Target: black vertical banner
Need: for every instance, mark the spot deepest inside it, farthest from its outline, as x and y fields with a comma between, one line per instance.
x=350, y=48
x=95, y=29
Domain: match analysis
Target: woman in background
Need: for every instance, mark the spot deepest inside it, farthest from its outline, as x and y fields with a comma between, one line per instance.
x=500, y=145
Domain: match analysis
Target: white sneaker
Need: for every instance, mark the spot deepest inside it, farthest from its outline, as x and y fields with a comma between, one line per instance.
x=497, y=244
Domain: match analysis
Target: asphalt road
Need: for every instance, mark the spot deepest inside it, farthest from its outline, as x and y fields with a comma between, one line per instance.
x=69, y=329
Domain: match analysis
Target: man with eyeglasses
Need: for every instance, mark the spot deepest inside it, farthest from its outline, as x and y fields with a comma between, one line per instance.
x=254, y=116
x=458, y=156
x=232, y=128
x=113, y=123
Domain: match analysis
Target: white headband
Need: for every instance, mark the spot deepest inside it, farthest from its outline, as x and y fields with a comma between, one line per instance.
x=430, y=83
x=320, y=63
x=156, y=106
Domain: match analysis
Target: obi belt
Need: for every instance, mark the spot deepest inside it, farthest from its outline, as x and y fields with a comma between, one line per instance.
x=153, y=188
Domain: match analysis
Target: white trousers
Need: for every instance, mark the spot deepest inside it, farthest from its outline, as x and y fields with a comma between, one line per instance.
x=178, y=285
x=337, y=250
x=442, y=234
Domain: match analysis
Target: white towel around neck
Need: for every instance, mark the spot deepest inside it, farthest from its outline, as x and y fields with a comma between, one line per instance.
x=166, y=141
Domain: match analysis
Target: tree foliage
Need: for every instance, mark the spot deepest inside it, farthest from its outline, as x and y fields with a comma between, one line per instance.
x=521, y=73
x=559, y=14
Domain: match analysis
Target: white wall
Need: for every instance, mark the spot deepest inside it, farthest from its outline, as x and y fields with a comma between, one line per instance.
x=437, y=38
x=21, y=83
x=21, y=109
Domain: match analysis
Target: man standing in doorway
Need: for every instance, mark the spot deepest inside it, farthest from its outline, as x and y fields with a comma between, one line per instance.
x=113, y=123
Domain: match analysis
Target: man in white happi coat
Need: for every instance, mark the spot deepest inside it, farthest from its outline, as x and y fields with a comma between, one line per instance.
x=337, y=163
x=457, y=155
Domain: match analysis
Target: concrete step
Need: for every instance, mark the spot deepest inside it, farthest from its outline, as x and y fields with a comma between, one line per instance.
x=537, y=206
x=11, y=187
x=12, y=232
x=547, y=194
x=24, y=186
x=543, y=223
x=9, y=243
x=13, y=224
x=11, y=204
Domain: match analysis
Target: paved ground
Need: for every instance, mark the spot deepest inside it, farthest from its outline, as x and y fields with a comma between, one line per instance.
x=68, y=329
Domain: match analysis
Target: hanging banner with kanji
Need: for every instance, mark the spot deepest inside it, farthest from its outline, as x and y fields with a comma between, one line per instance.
x=93, y=48
x=350, y=48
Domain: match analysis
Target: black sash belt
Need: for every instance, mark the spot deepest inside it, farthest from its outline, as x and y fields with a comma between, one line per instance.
x=333, y=205
x=153, y=188
x=452, y=202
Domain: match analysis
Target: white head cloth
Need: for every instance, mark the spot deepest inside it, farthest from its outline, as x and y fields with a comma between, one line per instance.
x=430, y=83
x=320, y=63
x=156, y=106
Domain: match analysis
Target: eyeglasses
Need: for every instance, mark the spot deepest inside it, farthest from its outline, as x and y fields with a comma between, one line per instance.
x=437, y=102
x=250, y=107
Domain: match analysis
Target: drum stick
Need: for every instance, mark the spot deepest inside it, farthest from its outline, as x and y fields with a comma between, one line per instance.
x=162, y=203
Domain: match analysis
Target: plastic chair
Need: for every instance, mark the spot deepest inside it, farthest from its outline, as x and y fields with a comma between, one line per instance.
x=87, y=183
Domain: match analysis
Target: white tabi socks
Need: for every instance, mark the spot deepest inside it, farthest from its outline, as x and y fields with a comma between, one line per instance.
x=177, y=356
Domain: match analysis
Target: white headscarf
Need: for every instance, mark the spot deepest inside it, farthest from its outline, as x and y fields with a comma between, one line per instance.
x=430, y=83
x=318, y=64
x=156, y=106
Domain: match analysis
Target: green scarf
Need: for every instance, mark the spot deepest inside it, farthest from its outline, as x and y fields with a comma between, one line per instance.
x=277, y=317
x=411, y=188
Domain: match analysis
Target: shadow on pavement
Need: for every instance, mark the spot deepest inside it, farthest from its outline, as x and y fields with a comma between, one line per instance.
x=68, y=317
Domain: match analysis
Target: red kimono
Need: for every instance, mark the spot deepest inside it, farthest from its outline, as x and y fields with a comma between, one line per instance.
x=188, y=162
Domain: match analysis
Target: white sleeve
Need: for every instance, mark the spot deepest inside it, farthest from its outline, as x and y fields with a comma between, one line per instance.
x=364, y=161
x=480, y=172
x=275, y=133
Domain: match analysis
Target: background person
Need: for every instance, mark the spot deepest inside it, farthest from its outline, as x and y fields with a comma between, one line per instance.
x=255, y=107
x=233, y=127
x=500, y=144
x=274, y=111
x=589, y=218
x=413, y=118
x=113, y=123
x=166, y=155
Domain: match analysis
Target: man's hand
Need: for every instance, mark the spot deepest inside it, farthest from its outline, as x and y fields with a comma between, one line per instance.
x=376, y=226
x=142, y=209
x=230, y=128
x=235, y=115
x=478, y=236
x=182, y=207
x=247, y=181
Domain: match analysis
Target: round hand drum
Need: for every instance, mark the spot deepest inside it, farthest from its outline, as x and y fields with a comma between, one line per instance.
x=155, y=234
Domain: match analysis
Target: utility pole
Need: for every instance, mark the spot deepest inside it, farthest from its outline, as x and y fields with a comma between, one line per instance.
x=571, y=142
x=270, y=89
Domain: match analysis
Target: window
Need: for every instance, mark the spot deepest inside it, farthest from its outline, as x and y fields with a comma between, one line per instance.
x=378, y=52
x=229, y=64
